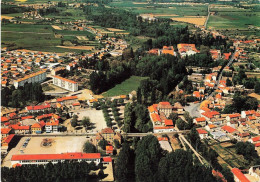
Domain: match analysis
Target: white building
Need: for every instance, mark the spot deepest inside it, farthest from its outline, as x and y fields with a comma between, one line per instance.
x=52, y=126
x=38, y=159
x=65, y=83
x=39, y=76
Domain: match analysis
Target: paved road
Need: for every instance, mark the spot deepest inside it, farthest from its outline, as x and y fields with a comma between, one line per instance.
x=94, y=133
x=206, y=22
x=193, y=109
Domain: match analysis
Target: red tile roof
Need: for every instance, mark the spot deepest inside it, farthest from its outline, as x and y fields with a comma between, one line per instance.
x=76, y=104
x=44, y=116
x=67, y=98
x=62, y=156
x=239, y=175
x=107, y=159
x=251, y=112
x=12, y=114
x=109, y=147
x=152, y=108
x=201, y=131
x=236, y=115
x=155, y=117
x=210, y=114
x=168, y=122
x=8, y=139
x=4, y=119
x=27, y=117
x=107, y=130
x=257, y=145
x=53, y=123
x=5, y=130
x=255, y=139
x=163, y=127
x=201, y=119
x=229, y=129
x=17, y=127
x=39, y=107
x=162, y=139
x=64, y=79
x=36, y=125
x=218, y=174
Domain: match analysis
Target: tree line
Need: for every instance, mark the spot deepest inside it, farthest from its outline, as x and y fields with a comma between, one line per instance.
x=63, y=172
x=9, y=9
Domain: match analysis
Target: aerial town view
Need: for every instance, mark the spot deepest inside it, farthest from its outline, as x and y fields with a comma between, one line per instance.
x=130, y=90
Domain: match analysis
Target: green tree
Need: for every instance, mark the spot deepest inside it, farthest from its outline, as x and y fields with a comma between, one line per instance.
x=103, y=143
x=86, y=121
x=73, y=123
x=257, y=87
x=124, y=167
x=148, y=155
x=89, y=148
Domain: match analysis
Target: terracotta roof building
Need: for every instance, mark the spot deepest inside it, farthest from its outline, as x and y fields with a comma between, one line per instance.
x=26, y=159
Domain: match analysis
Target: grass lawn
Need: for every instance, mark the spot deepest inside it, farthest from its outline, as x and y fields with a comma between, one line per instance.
x=125, y=87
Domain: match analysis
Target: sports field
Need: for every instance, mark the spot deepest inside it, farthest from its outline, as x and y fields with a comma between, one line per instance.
x=125, y=87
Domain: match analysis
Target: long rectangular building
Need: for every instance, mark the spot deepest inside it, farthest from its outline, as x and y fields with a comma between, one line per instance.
x=65, y=83
x=39, y=76
x=38, y=159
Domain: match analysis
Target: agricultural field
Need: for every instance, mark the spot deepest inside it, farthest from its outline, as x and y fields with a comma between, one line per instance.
x=196, y=20
x=163, y=10
x=125, y=87
x=39, y=38
x=233, y=18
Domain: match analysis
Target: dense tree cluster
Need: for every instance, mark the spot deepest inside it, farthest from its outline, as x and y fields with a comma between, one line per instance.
x=151, y=163
x=67, y=171
x=9, y=9
x=136, y=118
x=124, y=167
x=165, y=73
x=31, y=92
x=241, y=103
x=241, y=79
x=89, y=148
x=247, y=149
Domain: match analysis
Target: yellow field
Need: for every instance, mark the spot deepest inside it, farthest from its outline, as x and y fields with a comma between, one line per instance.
x=21, y=0
x=115, y=30
x=56, y=27
x=197, y=20
x=78, y=47
x=6, y=17
x=123, y=33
